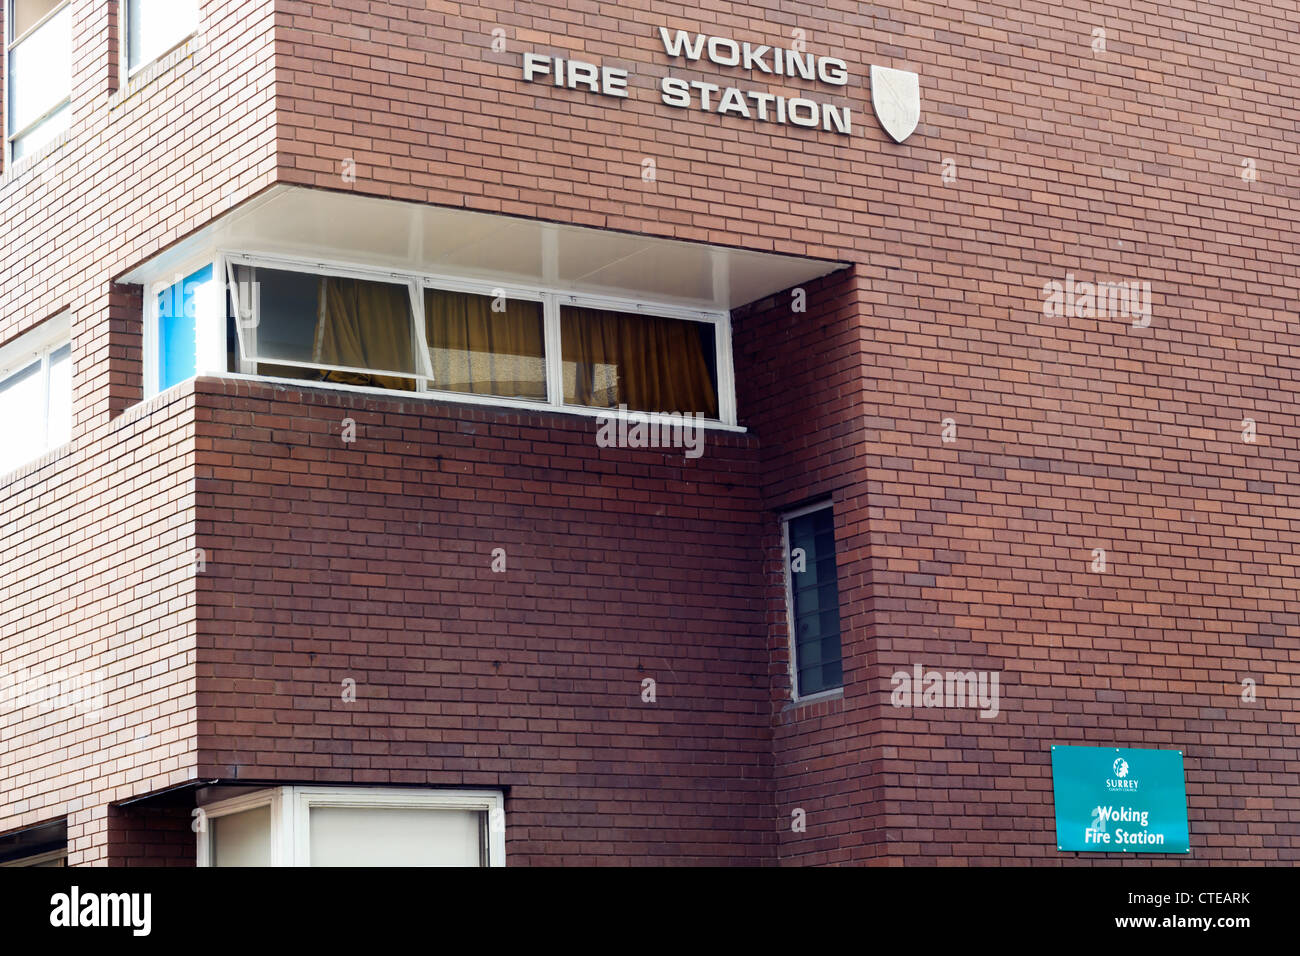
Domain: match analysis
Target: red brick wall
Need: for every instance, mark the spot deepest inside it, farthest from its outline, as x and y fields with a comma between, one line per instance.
x=371, y=561
x=795, y=368
x=93, y=540
x=1073, y=433
x=96, y=623
x=143, y=835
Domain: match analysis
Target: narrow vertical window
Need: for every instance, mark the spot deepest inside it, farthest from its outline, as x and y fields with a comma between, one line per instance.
x=156, y=27
x=38, y=52
x=35, y=395
x=813, y=601
x=177, y=328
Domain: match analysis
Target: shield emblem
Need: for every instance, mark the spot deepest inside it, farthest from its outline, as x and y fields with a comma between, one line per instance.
x=896, y=95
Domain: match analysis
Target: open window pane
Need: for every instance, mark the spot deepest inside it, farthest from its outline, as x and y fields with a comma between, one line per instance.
x=485, y=351
x=644, y=362
x=382, y=836
x=242, y=839
x=814, y=602
x=335, y=329
x=40, y=73
x=155, y=26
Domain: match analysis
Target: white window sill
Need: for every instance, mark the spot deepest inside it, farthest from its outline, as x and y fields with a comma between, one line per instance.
x=460, y=398
x=835, y=693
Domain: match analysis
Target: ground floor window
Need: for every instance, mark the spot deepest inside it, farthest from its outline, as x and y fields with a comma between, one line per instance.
x=353, y=826
x=53, y=858
x=43, y=845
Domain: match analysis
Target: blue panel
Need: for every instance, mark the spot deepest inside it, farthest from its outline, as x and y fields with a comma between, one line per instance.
x=177, y=345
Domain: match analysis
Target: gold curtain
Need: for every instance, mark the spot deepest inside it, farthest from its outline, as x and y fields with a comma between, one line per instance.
x=365, y=325
x=476, y=350
x=647, y=362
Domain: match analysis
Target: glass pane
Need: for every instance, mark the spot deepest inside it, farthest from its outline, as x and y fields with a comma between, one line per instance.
x=647, y=363
x=363, y=330
x=40, y=71
x=27, y=13
x=22, y=417
x=476, y=348
x=42, y=133
x=375, y=836
x=155, y=26
x=59, y=426
x=177, y=326
x=242, y=839
x=814, y=594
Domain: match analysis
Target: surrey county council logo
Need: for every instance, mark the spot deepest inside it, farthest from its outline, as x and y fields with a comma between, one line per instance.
x=1120, y=781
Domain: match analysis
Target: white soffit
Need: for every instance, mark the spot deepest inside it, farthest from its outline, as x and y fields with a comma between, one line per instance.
x=388, y=234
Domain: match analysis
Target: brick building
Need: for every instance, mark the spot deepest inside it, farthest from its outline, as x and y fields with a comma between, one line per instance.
x=319, y=323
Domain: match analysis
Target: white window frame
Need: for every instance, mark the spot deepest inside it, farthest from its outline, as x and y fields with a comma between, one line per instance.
x=38, y=344
x=11, y=42
x=124, y=35
x=552, y=300
x=792, y=632
x=209, y=324
x=291, y=815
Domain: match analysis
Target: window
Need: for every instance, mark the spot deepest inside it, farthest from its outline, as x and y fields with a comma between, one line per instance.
x=53, y=858
x=644, y=362
x=35, y=394
x=813, y=603
x=43, y=845
x=476, y=349
x=473, y=342
x=354, y=826
x=178, y=309
x=155, y=27
x=331, y=328
x=38, y=51
x=242, y=838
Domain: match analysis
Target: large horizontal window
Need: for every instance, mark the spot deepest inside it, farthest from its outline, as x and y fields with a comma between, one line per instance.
x=38, y=51
x=354, y=826
x=471, y=341
x=35, y=394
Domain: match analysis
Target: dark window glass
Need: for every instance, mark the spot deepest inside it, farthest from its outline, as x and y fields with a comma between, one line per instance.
x=815, y=603
x=334, y=329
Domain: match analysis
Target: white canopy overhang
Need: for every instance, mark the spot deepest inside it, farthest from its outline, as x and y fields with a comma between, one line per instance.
x=351, y=229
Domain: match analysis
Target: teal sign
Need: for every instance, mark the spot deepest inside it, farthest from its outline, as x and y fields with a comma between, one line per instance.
x=1110, y=800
